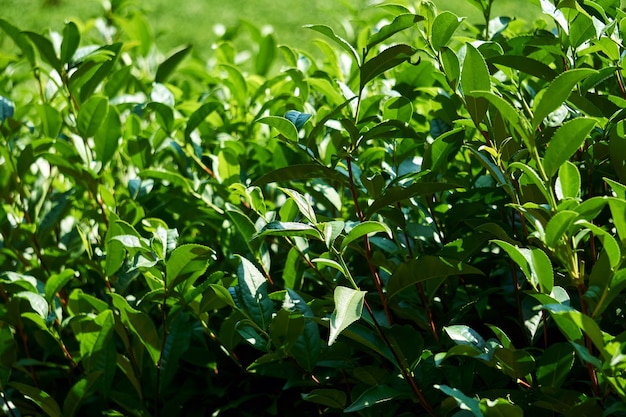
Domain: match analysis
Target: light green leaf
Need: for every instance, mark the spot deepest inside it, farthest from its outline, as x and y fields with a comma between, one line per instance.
x=568, y=181
x=252, y=294
x=345, y=45
x=282, y=125
x=51, y=120
x=565, y=142
x=364, y=229
x=304, y=205
x=444, y=26
x=557, y=92
x=348, y=309
x=609, y=243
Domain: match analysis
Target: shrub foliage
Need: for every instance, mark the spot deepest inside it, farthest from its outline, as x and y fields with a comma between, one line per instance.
x=422, y=217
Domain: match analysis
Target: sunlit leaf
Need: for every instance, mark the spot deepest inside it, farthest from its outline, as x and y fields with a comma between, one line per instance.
x=348, y=308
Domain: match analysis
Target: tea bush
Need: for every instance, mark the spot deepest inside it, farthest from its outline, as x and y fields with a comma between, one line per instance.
x=428, y=220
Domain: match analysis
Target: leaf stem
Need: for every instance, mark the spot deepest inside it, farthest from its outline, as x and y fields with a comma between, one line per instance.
x=368, y=249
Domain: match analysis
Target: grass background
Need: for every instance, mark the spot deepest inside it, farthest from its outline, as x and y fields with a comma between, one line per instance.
x=177, y=22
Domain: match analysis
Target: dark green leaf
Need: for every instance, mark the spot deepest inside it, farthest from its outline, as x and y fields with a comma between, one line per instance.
x=328, y=397
x=566, y=140
x=400, y=23
x=384, y=61
x=167, y=67
x=39, y=397
x=376, y=395
x=557, y=92
x=301, y=172
x=71, y=40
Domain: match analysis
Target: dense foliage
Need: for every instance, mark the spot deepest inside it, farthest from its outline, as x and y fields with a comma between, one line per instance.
x=419, y=217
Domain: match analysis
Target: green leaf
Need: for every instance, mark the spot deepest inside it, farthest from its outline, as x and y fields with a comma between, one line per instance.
x=568, y=181
x=385, y=60
x=91, y=115
x=56, y=282
x=375, y=395
x=400, y=23
x=554, y=365
x=252, y=294
x=609, y=244
x=524, y=64
x=534, y=178
x=557, y=226
x=515, y=363
x=392, y=195
x=301, y=172
x=51, y=120
x=398, y=108
x=288, y=229
x=77, y=393
x=282, y=125
x=304, y=205
x=107, y=138
x=187, y=263
x=140, y=325
x=444, y=26
x=475, y=77
x=39, y=397
x=581, y=321
x=167, y=67
x=451, y=66
x=285, y=329
x=534, y=263
x=465, y=403
x=330, y=33
x=424, y=268
x=175, y=347
x=199, y=115
x=228, y=166
x=557, y=92
x=348, y=309
x=266, y=55
x=364, y=229
x=112, y=53
x=46, y=50
x=565, y=142
x=20, y=39
x=71, y=40
x=328, y=397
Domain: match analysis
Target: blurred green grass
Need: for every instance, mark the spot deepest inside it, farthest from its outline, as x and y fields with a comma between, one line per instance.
x=180, y=22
